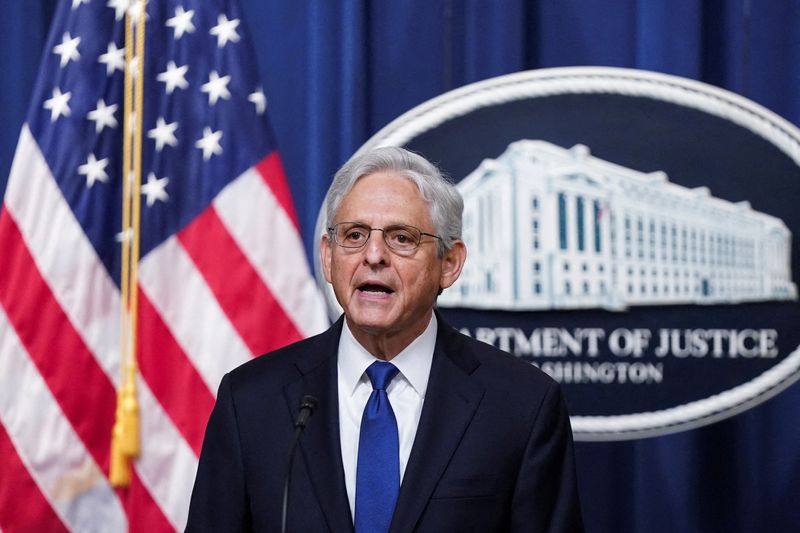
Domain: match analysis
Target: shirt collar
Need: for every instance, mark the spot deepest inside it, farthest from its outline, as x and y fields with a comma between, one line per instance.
x=414, y=362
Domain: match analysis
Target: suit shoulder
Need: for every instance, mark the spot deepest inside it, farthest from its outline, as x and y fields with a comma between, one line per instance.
x=283, y=364
x=496, y=364
x=509, y=384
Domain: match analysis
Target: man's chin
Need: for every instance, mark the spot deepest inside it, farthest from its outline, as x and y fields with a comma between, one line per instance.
x=371, y=327
x=372, y=323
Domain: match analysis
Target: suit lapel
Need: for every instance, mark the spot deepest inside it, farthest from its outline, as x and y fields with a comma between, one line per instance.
x=320, y=444
x=450, y=403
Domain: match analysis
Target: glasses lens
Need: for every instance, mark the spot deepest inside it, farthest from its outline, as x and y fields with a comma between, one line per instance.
x=350, y=235
x=402, y=238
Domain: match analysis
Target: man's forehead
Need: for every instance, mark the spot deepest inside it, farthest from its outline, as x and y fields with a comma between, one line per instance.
x=384, y=177
x=385, y=183
x=387, y=197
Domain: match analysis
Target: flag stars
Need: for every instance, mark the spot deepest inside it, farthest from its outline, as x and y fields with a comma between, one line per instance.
x=181, y=22
x=119, y=7
x=135, y=10
x=103, y=115
x=209, y=143
x=113, y=59
x=124, y=236
x=155, y=189
x=163, y=134
x=77, y=3
x=68, y=49
x=94, y=170
x=58, y=104
x=174, y=76
x=225, y=30
x=216, y=87
x=259, y=100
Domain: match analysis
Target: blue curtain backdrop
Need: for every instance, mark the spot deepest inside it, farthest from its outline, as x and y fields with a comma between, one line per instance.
x=337, y=71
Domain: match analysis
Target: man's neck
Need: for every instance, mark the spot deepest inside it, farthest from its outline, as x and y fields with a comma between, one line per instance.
x=386, y=345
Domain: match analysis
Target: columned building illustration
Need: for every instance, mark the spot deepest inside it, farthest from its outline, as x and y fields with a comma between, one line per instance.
x=554, y=228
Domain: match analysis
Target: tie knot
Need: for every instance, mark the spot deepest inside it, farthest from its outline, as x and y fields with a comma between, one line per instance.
x=381, y=374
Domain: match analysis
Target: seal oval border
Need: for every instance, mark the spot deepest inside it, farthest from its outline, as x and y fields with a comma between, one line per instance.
x=626, y=82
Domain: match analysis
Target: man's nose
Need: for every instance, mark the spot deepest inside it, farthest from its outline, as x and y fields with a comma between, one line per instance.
x=376, y=251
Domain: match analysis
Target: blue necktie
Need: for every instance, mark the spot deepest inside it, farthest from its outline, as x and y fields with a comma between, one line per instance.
x=378, y=469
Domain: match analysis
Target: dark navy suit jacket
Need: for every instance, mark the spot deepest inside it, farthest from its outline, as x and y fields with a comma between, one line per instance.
x=492, y=453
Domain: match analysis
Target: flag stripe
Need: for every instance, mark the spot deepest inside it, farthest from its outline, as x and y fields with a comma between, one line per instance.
x=253, y=216
x=53, y=345
x=22, y=505
x=93, y=426
x=257, y=316
x=143, y=513
x=167, y=464
x=59, y=296
x=174, y=285
x=271, y=170
x=69, y=263
x=60, y=464
x=87, y=294
x=171, y=376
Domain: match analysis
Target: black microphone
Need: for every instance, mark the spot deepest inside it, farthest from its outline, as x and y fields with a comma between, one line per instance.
x=307, y=406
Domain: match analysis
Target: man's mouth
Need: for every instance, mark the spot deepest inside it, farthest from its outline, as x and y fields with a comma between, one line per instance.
x=375, y=288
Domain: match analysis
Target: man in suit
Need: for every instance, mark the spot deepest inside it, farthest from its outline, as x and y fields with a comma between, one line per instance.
x=418, y=428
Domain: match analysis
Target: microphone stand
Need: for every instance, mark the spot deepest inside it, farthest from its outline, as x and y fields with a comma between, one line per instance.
x=307, y=406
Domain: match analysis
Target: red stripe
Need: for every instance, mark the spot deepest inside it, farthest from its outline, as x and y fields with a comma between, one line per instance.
x=83, y=391
x=143, y=512
x=23, y=507
x=171, y=376
x=254, y=312
x=271, y=170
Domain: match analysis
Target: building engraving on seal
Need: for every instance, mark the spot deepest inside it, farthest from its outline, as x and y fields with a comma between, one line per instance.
x=555, y=228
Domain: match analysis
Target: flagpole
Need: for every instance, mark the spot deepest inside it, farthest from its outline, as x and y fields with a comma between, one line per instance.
x=125, y=438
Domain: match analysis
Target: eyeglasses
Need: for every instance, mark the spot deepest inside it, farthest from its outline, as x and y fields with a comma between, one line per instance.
x=398, y=237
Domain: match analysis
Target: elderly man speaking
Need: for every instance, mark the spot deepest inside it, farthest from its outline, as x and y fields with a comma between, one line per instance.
x=415, y=427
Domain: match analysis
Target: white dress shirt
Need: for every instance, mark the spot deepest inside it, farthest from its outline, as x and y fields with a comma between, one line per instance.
x=406, y=394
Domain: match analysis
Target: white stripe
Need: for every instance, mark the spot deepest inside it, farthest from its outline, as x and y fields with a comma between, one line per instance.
x=91, y=300
x=63, y=253
x=56, y=458
x=186, y=304
x=167, y=464
x=272, y=244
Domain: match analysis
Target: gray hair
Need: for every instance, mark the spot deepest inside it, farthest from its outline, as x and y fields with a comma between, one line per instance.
x=445, y=204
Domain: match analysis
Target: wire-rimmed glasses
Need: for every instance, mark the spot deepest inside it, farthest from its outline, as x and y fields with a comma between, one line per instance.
x=399, y=237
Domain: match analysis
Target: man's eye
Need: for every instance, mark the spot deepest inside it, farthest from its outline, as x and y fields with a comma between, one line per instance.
x=355, y=235
x=402, y=237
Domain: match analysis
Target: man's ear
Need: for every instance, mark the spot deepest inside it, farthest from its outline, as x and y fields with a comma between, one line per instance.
x=452, y=263
x=325, y=256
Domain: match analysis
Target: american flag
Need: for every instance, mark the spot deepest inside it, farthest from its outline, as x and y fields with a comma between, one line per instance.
x=222, y=277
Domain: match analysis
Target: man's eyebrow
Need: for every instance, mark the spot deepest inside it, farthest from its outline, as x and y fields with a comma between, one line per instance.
x=389, y=225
